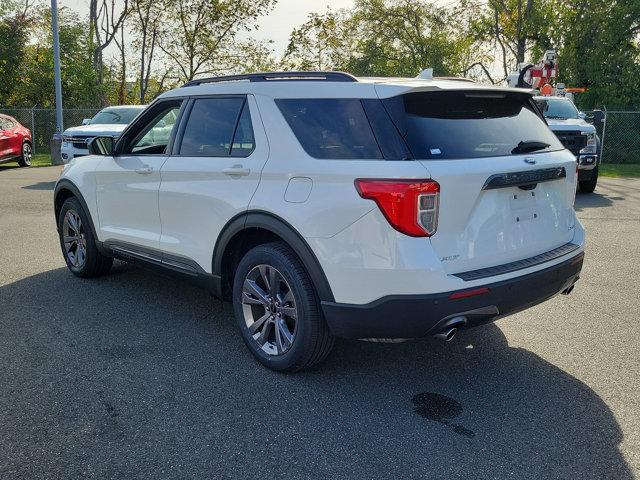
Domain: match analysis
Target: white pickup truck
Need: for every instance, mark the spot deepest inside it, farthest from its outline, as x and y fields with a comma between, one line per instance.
x=576, y=134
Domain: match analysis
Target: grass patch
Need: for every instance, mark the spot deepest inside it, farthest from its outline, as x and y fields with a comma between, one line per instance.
x=41, y=160
x=619, y=170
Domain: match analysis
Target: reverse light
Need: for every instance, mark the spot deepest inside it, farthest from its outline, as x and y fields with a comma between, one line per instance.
x=410, y=206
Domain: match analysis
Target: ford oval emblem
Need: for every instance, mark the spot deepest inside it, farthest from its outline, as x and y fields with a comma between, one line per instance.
x=530, y=160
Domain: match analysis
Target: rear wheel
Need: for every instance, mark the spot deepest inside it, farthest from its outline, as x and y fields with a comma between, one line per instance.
x=26, y=155
x=588, y=186
x=277, y=310
x=78, y=243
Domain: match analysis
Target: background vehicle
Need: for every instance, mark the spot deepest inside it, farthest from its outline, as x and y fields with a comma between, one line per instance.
x=16, y=143
x=577, y=135
x=110, y=121
x=322, y=205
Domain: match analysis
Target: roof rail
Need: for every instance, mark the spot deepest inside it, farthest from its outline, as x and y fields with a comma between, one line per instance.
x=274, y=76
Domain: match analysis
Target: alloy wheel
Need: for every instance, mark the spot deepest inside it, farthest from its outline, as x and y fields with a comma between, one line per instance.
x=269, y=309
x=73, y=236
x=27, y=153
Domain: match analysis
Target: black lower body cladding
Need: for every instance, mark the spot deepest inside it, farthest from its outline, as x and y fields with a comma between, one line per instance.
x=414, y=316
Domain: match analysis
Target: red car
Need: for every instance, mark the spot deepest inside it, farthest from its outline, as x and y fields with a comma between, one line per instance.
x=16, y=143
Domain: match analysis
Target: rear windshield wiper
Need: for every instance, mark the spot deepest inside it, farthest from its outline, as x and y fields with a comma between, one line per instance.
x=529, y=146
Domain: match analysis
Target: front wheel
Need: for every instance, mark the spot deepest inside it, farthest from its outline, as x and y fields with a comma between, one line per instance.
x=588, y=186
x=277, y=310
x=26, y=155
x=78, y=241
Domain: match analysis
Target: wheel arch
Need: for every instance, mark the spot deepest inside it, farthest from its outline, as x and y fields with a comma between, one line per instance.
x=65, y=189
x=253, y=228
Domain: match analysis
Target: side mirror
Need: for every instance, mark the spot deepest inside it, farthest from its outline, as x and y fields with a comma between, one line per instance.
x=598, y=117
x=86, y=121
x=101, y=146
x=582, y=115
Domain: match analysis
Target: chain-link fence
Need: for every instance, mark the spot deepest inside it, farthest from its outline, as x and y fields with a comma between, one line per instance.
x=42, y=122
x=621, y=137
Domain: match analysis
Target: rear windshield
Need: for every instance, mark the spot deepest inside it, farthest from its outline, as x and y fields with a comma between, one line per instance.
x=450, y=125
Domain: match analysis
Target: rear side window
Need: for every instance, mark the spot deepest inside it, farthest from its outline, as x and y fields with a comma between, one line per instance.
x=331, y=128
x=449, y=125
x=211, y=127
x=243, y=141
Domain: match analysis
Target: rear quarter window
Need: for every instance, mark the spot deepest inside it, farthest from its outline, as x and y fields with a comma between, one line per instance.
x=331, y=128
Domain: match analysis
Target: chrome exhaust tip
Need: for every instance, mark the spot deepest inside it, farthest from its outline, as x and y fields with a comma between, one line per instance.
x=450, y=328
x=567, y=291
x=447, y=335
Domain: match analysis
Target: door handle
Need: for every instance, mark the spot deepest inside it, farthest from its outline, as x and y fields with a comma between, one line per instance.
x=236, y=171
x=144, y=170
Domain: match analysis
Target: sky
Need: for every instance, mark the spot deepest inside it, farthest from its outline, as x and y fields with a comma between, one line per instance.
x=276, y=26
x=289, y=14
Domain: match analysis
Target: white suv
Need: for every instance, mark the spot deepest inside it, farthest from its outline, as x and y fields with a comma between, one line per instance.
x=327, y=206
x=110, y=121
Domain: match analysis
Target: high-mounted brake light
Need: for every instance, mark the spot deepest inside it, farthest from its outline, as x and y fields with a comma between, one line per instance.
x=410, y=206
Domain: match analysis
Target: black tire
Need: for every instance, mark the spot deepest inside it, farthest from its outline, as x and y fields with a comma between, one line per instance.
x=26, y=154
x=94, y=263
x=312, y=340
x=588, y=186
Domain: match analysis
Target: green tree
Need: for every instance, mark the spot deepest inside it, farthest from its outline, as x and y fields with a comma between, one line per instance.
x=385, y=37
x=148, y=17
x=106, y=20
x=201, y=36
x=14, y=22
x=78, y=76
x=598, y=49
x=317, y=44
x=518, y=28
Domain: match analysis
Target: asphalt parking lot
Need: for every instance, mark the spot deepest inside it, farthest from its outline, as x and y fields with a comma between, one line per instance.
x=135, y=375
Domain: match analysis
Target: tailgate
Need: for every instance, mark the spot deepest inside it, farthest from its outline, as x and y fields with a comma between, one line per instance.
x=493, y=212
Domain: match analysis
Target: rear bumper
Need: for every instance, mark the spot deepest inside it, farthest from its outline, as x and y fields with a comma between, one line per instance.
x=413, y=316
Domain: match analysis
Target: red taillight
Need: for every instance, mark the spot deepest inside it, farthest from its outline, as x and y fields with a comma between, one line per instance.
x=410, y=206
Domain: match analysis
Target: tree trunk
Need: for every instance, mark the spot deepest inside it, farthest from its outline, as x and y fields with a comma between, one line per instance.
x=522, y=34
x=122, y=91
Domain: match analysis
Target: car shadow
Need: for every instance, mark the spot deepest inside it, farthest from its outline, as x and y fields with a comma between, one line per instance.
x=41, y=186
x=139, y=375
x=593, y=200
